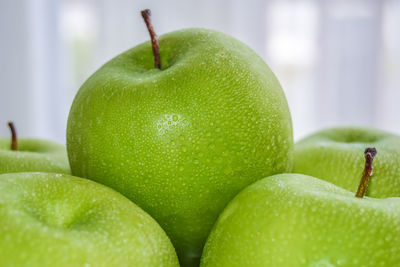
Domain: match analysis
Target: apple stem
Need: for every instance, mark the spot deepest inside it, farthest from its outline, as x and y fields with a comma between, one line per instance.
x=369, y=153
x=14, y=140
x=154, y=41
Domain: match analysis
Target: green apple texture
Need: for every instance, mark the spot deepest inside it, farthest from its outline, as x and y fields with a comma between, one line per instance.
x=298, y=220
x=335, y=155
x=32, y=155
x=60, y=220
x=183, y=140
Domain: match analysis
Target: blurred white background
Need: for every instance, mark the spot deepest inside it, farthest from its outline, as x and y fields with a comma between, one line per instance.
x=337, y=60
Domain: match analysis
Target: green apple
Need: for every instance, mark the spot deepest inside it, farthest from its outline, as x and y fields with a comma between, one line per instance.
x=183, y=140
x=26, y=155
x=335, y=155
x=60, y=220
x=298, y=220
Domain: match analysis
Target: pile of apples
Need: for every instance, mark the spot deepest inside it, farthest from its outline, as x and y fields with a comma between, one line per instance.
x=185, y=150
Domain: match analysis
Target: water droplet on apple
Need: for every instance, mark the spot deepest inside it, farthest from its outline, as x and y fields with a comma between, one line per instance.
x=227, y=171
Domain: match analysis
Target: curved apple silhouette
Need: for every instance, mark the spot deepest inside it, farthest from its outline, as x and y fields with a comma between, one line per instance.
x=335, y=155
x=298, y=220
x=26, y=155
x=59, y=220
x=182, y=140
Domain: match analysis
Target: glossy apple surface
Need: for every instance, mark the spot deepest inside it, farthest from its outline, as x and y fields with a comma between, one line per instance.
x=297, y=220
x=181, y=141
x=59, y=220
x=335, y=155
x=33, y=155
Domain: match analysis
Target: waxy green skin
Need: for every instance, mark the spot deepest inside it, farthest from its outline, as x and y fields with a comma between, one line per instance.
x=336, y=155
x=60, y=220
x=297, y=220
x=33, y=155
x=182, y=141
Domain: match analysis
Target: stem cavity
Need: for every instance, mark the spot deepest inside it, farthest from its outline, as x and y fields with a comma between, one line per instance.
x=14, y=140
x=154, y=41
x=369, y=153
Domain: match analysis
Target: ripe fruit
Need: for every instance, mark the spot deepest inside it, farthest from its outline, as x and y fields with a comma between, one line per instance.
x=335, y=155
x=59, y=220
x=183, y=140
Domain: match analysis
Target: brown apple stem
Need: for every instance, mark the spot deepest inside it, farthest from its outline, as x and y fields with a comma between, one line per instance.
x=14, y=140
x=154, y=41
x=369, y=153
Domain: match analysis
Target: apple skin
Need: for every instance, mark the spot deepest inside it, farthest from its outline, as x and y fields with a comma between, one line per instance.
x=336, y=155
x=181, y=142
x=297, y=220
x=33, y=155
x=60, y=220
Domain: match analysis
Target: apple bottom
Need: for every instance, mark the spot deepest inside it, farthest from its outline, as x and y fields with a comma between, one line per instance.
x=60, y=220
